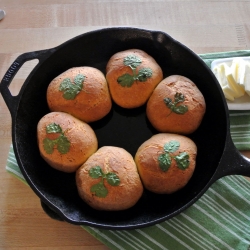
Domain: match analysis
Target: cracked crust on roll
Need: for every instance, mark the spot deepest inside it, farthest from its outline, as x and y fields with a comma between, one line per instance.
x=163, y=119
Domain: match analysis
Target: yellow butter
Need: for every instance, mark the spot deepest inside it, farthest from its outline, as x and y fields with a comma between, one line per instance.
x=228, y=93
x=241, y=72
x=235, y=67
x=238, y=90
x=247, y=78
x=220, y=74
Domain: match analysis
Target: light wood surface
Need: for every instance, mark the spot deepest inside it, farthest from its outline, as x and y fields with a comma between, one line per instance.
x=204, y=26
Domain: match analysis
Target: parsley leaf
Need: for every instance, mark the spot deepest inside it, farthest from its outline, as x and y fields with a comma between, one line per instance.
x=127, y=80
x=99, y=189
x=182, y=160
x=132, y=61
x=62, y=142
x=95, y=172
x=70, y=90
x=112, y=179
x=53, y=128
x=48, y=145
x=172, y=146
x=180, y=109
x=79, y=79
x=168, y=102
x=165, y=159
x=179, y=97
x=144, y=74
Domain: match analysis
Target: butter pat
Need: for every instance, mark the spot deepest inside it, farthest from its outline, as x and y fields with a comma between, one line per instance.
x=238, y=90
x=241, y=72
x=234, y=67
x=228, y=93
x=220, y=74
x=233, y=74
x=247, y=78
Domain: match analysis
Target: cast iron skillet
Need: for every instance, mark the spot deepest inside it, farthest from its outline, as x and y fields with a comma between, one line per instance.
x=217, y=155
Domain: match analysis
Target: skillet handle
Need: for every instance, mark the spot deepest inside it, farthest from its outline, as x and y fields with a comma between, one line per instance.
x=52, y=214
x=232, y=162
x=12, y=101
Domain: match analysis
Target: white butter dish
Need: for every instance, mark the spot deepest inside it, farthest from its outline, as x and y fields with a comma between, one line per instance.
x=243, y=102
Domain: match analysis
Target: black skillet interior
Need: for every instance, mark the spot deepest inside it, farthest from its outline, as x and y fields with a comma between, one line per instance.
x=123, y=128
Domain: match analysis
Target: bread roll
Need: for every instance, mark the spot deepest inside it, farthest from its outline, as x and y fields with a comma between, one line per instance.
x=125, y=91
x=82, y=92
x=111, y=160
x=65, y=142
x=186, y=115
x=165, y=167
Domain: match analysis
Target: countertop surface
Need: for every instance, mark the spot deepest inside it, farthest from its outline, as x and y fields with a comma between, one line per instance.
x=204, y=26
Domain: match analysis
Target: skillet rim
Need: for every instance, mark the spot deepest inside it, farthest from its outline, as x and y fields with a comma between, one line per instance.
x=47, y=54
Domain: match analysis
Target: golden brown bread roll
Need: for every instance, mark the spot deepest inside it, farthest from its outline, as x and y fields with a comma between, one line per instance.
x=109, y=180
x=82, y=92
x=176, y=106
x=132, y=76
x=65, y=142
x=166, y=162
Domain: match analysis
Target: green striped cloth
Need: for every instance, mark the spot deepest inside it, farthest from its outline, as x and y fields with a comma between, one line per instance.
x=240, y=128
x=220, y=219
